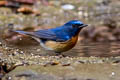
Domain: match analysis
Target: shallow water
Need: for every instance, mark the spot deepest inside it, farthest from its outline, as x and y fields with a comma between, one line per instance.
x=100, y=49
x=82, y=49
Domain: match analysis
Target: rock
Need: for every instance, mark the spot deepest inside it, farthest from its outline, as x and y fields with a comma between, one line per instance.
x=58, y=72
x=31, y=75
x=68, y=7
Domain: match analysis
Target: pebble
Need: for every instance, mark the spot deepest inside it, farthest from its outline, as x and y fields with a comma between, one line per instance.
x=38, y=50
x=66, y=64
x=21, y=52
x=113, y=73
x=50, y=63
x=1, y=54
x=68, y=7
x=9, y=78
x=0, y=43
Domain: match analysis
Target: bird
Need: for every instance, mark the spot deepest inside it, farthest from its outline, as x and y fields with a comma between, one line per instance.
x=59, y=39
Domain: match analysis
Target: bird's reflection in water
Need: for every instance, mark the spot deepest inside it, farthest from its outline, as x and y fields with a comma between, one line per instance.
x=99, y=49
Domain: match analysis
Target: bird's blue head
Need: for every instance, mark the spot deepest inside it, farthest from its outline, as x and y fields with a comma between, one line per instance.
x=69, y=29
x=75, y=24
x=73, y=27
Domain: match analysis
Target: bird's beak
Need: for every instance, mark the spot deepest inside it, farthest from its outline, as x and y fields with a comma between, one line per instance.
x=84, y=25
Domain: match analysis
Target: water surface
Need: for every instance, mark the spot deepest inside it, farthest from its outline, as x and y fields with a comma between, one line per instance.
x=102, y=49
x=82, y=49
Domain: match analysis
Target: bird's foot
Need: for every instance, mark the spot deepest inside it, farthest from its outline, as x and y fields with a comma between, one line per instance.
x=60, y=55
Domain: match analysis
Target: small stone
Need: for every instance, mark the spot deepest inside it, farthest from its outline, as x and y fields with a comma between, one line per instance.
x=38, y=50
x=21, y=52
x=15, y=52
x=9, y=78
x=0, y=43
x=66, y=64
x=1, y=54
x=81, y=62
x=113, y=73
x=117, y=61
x=51, y=63
x=6, y=48
x=68, y=7
x=54, y=63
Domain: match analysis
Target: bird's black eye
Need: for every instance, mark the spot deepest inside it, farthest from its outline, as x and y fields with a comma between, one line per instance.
x=77, y=25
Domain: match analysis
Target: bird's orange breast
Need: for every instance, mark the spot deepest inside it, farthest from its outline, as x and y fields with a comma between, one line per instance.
x=62, y=46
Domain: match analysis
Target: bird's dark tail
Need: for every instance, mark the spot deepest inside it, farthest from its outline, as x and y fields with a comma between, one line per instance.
x=31, y=34
x=22, y=32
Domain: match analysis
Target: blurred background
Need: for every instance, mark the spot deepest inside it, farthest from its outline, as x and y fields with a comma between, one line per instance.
x=102, y=16
x=100, y=39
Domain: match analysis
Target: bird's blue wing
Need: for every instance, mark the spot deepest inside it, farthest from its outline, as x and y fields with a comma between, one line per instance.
x=44, y=34
x=49, y=35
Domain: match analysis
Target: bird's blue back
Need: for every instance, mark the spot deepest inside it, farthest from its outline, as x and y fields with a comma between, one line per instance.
x=65, y=32
x=61, y=33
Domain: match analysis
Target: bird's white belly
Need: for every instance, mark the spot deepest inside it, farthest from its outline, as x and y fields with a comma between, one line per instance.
x=42, y=44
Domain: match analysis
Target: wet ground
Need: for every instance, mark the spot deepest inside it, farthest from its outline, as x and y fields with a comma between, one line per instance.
x=35, y=63
x=95, y=57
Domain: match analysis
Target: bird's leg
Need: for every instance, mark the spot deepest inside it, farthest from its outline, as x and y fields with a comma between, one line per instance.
x=60, y=54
